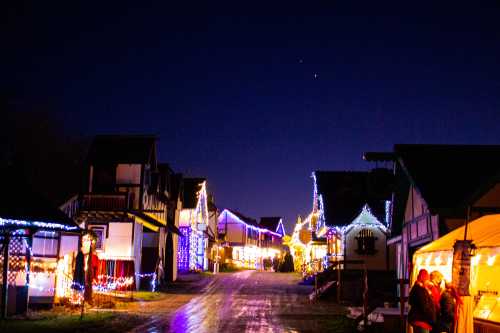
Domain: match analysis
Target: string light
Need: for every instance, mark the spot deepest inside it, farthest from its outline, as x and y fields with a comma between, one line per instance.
x=183, y=249
x=364, y=219
x=237, y=219
x=280, y=225
x=388, y=221
x=45, y=225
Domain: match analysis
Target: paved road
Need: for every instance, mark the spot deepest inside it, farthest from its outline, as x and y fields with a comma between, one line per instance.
x=248, y=301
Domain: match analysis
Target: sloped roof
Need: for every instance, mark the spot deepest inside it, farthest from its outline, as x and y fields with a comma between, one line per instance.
x=163, y=179
x=270, y=223
x=20, y=201
x=129, y=149
x=246, y=219
x=191, y=188
x=450, y=176
x=484, y=232
x=345, y=193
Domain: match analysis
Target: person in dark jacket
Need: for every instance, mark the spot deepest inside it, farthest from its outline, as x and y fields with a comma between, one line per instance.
x=422, y=315
x=449, y=302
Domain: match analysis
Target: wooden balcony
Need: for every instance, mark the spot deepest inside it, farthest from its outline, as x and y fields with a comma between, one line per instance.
x=107, y=202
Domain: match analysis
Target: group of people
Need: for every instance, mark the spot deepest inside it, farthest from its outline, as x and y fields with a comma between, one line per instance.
x=433, y=308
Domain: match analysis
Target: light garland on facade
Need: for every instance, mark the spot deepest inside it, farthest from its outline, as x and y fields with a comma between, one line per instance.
x=237, y=219
x=388, y=206
x=364, y=219
x=280, y=224
x=45, y=225
x=183, y=249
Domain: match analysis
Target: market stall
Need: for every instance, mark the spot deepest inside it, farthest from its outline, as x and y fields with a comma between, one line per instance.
x=482, y=308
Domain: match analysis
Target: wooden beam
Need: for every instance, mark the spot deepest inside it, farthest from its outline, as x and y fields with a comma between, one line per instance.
x=29, y=242
x=5, y=296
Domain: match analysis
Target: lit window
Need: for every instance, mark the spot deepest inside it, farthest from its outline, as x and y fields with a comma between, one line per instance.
x=366, y=242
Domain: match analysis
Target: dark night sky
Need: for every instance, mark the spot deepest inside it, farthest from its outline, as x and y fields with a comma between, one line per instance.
x=256, y=98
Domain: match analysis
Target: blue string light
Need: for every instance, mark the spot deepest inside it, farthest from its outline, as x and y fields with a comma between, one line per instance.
x=46, y=225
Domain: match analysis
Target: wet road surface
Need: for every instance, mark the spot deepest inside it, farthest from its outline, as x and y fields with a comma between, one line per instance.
x=247, y=301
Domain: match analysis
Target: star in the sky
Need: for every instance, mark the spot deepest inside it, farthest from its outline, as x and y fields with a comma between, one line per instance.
x=316, y=75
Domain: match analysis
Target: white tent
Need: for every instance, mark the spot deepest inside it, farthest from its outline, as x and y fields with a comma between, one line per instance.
x=485, y=266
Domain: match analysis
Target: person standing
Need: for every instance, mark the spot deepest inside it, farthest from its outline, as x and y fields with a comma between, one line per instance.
x=434, y=285
x=450, y=300
x=422, y=315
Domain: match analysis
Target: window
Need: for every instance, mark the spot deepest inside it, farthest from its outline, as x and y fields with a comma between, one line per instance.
x=366, y=242
x=45, y=244
x=100, y=233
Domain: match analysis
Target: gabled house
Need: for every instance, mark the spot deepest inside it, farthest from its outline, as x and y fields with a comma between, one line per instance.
x=273, y=223
x=437, y=187
x=350, y=210
x=124, y=208
x=193, y=224
x=245, y=242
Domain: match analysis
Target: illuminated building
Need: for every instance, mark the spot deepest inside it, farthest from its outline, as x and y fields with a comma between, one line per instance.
x=194, y=222
x=348, y=219
x=37, y=243
x=130, y=206
x=436, y=187
x=245, y=242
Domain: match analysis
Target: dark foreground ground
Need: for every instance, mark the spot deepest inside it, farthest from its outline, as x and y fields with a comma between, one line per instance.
x=246, y=301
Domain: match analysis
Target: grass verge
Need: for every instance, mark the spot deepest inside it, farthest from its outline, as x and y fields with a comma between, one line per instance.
x=62, y=323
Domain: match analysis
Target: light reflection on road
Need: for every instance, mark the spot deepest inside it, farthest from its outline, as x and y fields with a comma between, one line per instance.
x=225, y=307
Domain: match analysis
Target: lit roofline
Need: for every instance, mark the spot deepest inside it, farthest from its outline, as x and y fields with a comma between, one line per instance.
x=248, y=225
x=282, y=227
x=39, y=224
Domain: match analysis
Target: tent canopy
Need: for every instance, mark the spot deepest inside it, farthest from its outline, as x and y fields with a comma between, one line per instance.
x=484, y=232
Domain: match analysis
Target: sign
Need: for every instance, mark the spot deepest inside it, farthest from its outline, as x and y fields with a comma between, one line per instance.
x=461, y=266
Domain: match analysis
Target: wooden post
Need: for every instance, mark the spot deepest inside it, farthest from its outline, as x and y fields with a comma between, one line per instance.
x=5, y=296
x=29, y=243
x=402, y=304
x=316, y=284
x=365, y=297
x=338, y=282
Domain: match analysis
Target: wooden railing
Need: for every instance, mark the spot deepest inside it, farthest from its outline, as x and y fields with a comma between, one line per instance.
x=107, y=202
x=71, y=207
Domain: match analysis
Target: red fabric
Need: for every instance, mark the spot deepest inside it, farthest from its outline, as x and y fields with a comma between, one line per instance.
x=94, y=261
x=422, y=324
x=458, y=302
x=436, y=296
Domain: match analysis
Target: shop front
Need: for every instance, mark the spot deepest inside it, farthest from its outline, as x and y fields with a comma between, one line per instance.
x=481, y=308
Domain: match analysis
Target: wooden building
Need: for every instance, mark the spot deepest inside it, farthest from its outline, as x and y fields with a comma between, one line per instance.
x=125, y=207
x=436, y=188
x=351, y=210
x=245, y=242
x=193, y=223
